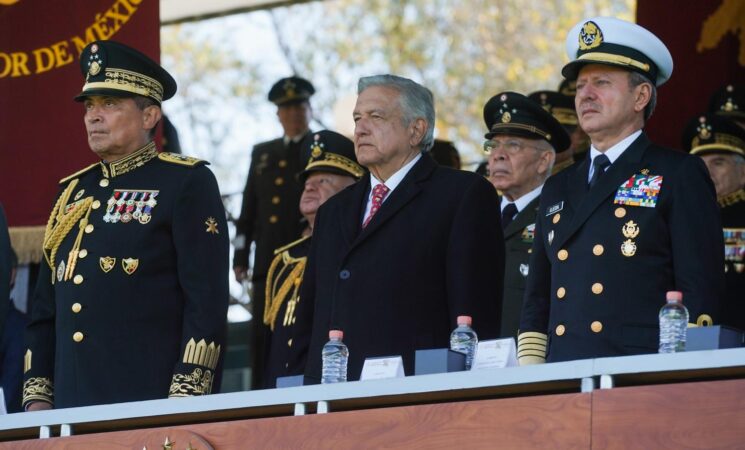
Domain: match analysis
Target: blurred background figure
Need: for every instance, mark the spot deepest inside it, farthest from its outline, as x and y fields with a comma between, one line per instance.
x=445, y=153
x=729, y=101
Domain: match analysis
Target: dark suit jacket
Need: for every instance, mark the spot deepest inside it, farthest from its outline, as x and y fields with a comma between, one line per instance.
x=582, y=291
x=518, y=240
x=432, y=252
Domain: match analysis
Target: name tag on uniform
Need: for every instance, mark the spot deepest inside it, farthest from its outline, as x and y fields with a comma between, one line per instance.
x=554, y=209
x=639, y=190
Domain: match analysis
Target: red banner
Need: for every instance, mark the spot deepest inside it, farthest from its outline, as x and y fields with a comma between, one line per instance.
x=707, y=41
x=42, y=136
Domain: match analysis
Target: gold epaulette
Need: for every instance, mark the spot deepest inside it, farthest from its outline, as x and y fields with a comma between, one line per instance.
x=175, y=158
x=77, y=174
x=290, y=245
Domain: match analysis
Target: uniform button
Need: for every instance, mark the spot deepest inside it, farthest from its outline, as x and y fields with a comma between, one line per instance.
x=287, y=365
x=275, y=200
x=279, y=181
x=289, y=343
x=77, y=336
x=560, y=330
x=96, y=204
x=530, y=250
x=598, y=250
x=596, y=326
x=597, y=288
x=104, y=182
x=344, y=274
x=82, y=253
x=620, y=212
x=561, y=292
x=273, y=219
x=282, y=163
x=76, y=307
x=89, y=228
x=557, y=218
x=78, y=279
x=563, y=255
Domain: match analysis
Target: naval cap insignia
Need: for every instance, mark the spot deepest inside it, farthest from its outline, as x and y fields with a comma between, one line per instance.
x=590, y=36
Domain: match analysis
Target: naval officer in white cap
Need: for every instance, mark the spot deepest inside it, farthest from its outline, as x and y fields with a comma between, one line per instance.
x=630, y=222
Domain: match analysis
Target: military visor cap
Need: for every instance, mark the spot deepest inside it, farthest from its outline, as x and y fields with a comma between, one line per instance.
x=114, y=69
x=291, y=90
x=328, y=151
x=517, y=115
x=710, y=133
x=614, y=42
x=729, y=101
x=558, y=105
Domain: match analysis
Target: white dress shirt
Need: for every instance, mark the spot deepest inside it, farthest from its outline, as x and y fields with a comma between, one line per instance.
x=612, y=153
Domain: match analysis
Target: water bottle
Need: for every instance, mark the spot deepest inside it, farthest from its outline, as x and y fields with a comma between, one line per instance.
x=334, y=357
x=463, y=339
x=673, y=324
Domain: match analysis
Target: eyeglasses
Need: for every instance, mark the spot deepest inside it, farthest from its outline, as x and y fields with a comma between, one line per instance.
x=512, y=146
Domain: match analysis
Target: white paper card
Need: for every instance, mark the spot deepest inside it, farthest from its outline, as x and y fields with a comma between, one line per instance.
x=2, y=402
x=495, y=353
x=385, y=367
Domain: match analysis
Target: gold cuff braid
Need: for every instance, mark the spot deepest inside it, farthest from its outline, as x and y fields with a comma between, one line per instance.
x=38, y=389
x=198, y=383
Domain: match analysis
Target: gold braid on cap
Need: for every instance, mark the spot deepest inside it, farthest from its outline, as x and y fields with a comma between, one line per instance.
x=339, y=162
x=722, y=141
x=128, y=81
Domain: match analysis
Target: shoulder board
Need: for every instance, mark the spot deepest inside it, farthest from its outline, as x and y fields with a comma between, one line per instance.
x=290, y=245
x=175, y=158
x=77, y=174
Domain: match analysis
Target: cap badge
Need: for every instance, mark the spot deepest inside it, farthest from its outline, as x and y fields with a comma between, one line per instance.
x=704, y=131
x=317, y=149
x=94, y=69
x=289, y=88
x=506, y=117
x=729, y=106
x=590, y=36
x=94, y=48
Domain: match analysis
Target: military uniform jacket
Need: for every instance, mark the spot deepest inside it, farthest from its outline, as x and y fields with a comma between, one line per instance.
x=518, y=240
x=432, y=252
x=286, y=313
x=599, y=270
x=134, y=304
x=733, y=221
x=269, y=213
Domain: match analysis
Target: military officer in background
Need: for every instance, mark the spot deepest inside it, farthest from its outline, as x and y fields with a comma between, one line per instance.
x=561, y=107
x=580, y=141
x=729, y=101
x=720, y=142
x=619, y=229
x=269, y=214
x=132, y=295
x=522, y=141
x=331, y=167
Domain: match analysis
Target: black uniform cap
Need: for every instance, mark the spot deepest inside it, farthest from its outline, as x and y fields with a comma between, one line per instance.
x=729, y=101
x=710, y=133
x=515, y=114
x=558, y=105
x=328, y=151
x=291, y=90
x=114, y=69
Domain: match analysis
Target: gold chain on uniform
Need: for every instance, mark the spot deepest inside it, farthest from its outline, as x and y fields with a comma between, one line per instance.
x=272, y=303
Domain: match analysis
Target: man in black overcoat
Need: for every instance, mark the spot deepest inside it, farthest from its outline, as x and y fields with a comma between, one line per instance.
x=398, y=256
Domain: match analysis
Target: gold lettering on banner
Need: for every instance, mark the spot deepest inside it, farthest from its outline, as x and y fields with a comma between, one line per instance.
x=43, y=59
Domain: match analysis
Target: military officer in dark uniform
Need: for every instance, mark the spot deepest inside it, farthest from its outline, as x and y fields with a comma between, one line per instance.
x=729, y=101
x=720, y=142
x=562, y=108
x=269, y=215
x=618, y=230
x=331, y=167
x=132, y=295
x=522, y=141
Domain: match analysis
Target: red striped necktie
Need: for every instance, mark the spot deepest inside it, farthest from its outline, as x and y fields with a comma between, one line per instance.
x=379, y=193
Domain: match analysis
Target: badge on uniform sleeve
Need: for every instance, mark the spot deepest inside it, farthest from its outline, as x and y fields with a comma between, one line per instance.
x=211, y=225
x=639, y=190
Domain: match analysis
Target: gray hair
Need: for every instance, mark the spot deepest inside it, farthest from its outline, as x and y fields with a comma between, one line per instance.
x=545, y=146
x=635, y=79
x=142, y=103
x=416, y=102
